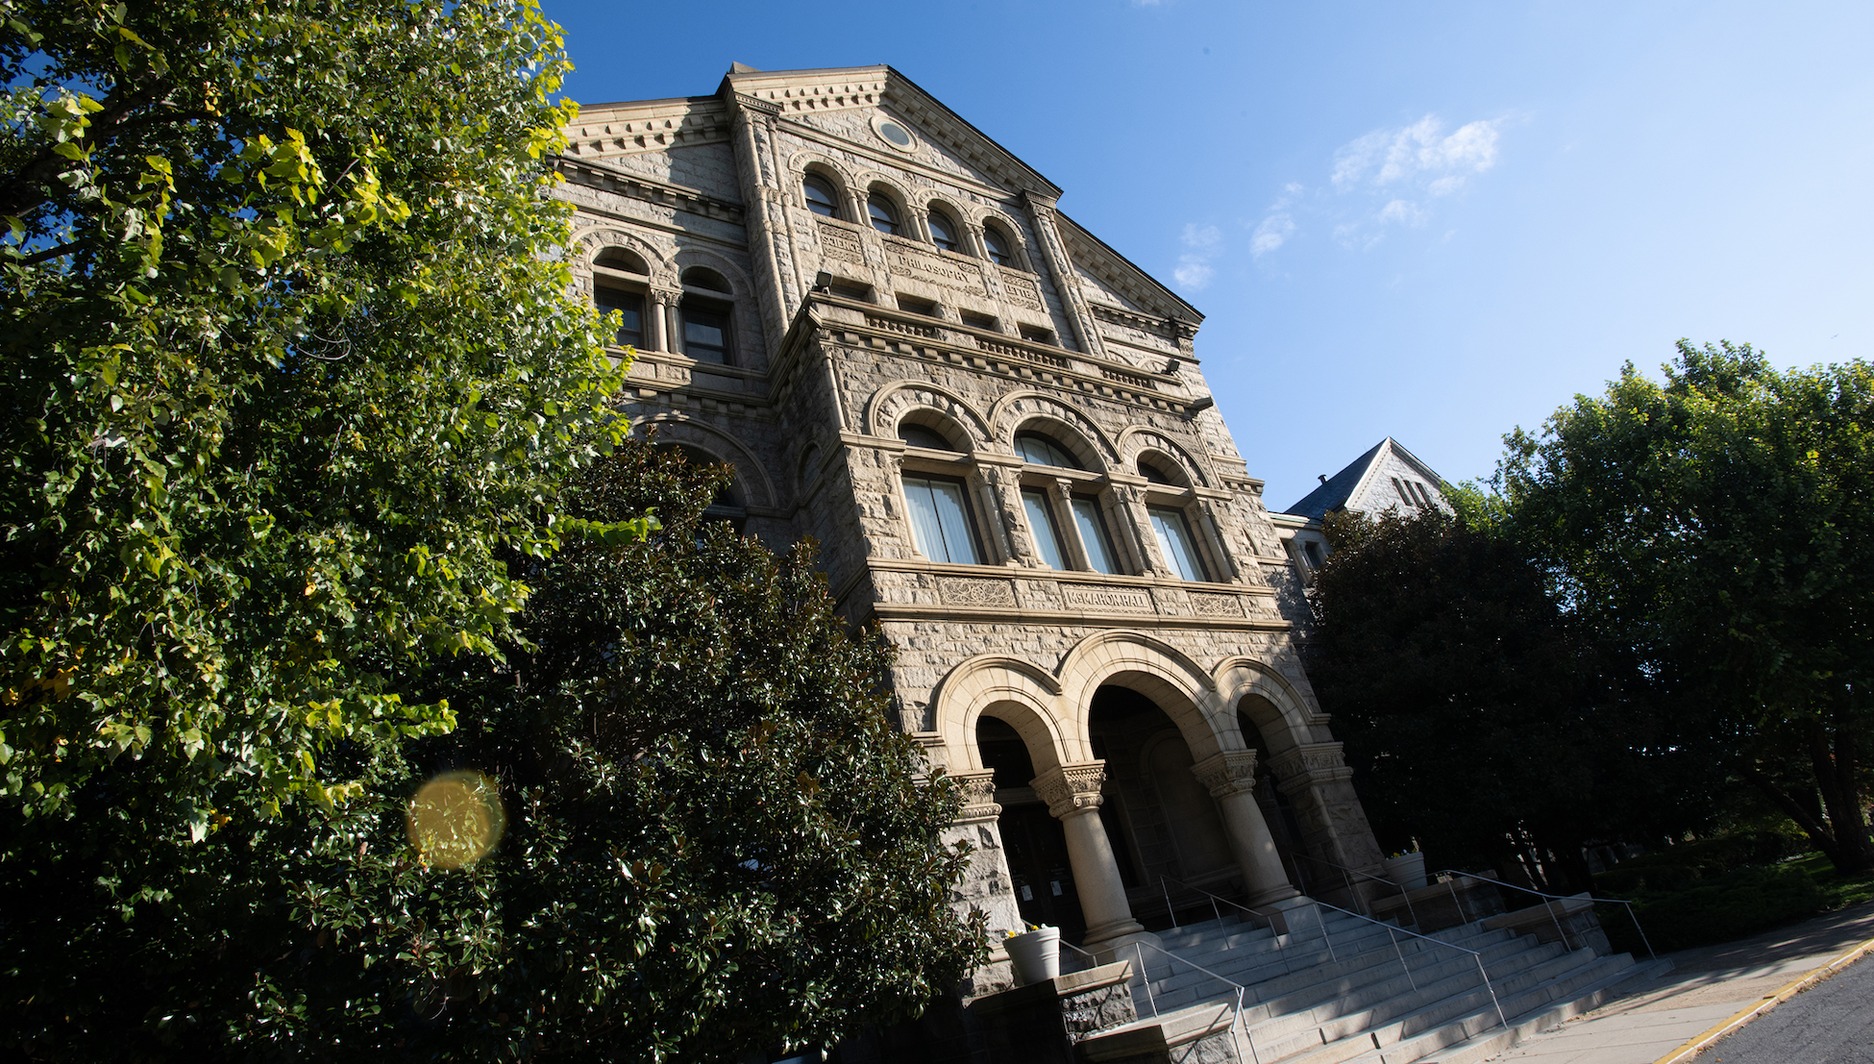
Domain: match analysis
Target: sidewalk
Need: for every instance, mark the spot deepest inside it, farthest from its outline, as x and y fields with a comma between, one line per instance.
x=1666, y=1018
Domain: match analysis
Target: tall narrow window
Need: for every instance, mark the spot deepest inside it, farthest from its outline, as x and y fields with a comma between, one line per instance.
x=1046, y=533
x=998, y=246
x=1093, y=538
x=822, y=198
x=1175, y=542
x=884, y=213
x=630, y=308
x=943, y=231
x=940, y=522
x=706, y=331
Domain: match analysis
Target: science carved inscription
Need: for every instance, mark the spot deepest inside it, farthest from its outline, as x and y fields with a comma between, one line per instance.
x=841, y=245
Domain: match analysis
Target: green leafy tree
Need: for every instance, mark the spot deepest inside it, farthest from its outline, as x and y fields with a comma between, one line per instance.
x=1720, y=525
x=1478, y=720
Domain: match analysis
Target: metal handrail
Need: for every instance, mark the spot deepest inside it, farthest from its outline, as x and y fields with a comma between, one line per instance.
x=1346, y=874
x=1563, y=898
x=1392, y=930
x=1239, y=1033
x=1216, y=898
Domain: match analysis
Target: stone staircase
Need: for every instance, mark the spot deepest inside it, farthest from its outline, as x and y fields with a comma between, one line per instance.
x=1342, y=990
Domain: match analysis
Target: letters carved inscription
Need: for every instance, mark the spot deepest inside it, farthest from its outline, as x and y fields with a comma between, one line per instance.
x=1022, y=291
x=938, y=271
x=841, y=245
x=1125, y=599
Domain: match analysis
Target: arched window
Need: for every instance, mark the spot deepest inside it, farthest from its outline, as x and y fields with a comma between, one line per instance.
x=998, y=245
x=706, y=313
x=924, y=436
x=884, y=212
x=1170, y=506
x=943, y=231
x=937, y=496
x=619, y=278
x=822, y=197
x=1065, y=514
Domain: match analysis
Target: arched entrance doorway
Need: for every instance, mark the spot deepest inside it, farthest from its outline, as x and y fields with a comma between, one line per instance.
x=1278, y=809
x=1167, y=835
x=1040, y=868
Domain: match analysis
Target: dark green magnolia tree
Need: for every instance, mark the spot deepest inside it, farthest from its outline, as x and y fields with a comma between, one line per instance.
x=717, y=841
x=1720, y=525
x=1478, y=719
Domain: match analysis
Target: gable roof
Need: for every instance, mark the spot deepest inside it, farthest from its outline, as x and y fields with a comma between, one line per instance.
x=1353, y=481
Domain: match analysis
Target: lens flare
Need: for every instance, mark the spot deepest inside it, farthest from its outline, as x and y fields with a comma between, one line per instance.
x=456, y=818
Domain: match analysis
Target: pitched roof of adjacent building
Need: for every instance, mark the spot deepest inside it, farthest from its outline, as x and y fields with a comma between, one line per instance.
x=1358, y=483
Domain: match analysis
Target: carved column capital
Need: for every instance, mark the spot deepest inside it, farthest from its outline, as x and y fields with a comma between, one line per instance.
x=979, y=796
x=1227, y=772
x=1071, y=788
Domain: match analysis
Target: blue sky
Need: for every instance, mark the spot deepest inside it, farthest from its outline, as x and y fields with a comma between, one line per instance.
x=1431, y=221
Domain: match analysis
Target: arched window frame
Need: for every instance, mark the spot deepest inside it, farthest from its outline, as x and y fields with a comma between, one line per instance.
x=943, y=493
x=1068, y=508
x=1186, y=543
x=995, y=231
x=706, y=317
x=828, y=186
x=939, y=218
x=885, y=211
x=623, y=284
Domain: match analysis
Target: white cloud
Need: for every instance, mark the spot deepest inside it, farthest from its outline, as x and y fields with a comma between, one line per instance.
x=1202, y=243
x=1272, y=233
x=1421, y=154
x=1402, y=212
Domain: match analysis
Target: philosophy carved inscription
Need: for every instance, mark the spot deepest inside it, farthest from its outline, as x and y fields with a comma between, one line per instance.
x=1022, y=291
x=841, y=245
x=1106, y=598
x=962, y=591
x=933, y=269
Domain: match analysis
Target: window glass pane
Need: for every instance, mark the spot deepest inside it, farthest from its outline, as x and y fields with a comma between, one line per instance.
x=821, y=198
x=924, y=436
x=997, y=246
x=1040, y=450
x=1093, y=535
x=1041, y=524
x=942, y=233
x=630, y=307
x=940, y=520
x=705, y=333
x=884, y=215
x=1174, y=541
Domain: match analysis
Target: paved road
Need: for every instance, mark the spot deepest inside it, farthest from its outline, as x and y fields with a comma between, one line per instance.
x=1829, y=1023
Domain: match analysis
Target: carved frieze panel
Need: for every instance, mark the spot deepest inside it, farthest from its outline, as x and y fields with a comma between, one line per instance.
x=968, y=591
x=1206, y=604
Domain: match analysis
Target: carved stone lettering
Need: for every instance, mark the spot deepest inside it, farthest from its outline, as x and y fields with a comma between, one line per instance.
x=1075, y=597
x=935, y=270
x=840, y=244
x=1022, y=291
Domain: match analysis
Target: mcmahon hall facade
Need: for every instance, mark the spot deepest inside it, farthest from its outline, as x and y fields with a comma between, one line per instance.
x=997, y=429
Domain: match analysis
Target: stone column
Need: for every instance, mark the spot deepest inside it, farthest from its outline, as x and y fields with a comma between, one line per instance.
x=1135, y=526
x=1066, y=283
x=1072, y=792
x=1230, y=776
x=661, y=336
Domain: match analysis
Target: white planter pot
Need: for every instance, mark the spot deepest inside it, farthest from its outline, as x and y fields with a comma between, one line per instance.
x=1036, y=955
x=1407, y=870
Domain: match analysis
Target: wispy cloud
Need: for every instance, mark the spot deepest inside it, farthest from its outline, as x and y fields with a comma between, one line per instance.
x=1201, y=244
x=1386, y=179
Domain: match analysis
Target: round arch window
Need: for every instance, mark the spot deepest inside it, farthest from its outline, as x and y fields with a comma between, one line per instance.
x=884, y=214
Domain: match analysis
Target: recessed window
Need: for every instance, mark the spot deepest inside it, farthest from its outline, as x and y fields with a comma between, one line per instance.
x=1093, y=537
x=1157, y=472
x=943, y=231
x=630, y=308
x=1425, y=498
x=998, y=246
x=940, y=521
x=1036, y=334
x=1036, y=448
x=884, y=214
x=1176, y=543
x=924, y=436
x=822, y=197
x=914, y=305
x=1042, y=526
x=706, y=335
x=979, y=321
x=1404, y=493
x=853, y=290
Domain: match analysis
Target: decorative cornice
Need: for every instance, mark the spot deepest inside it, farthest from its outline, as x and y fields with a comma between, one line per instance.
x=1227, y=772
x=594, y=174
x=1071, y=788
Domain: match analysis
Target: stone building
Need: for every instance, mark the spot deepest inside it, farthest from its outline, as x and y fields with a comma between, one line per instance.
x=1386, y=477
x=997, y=429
